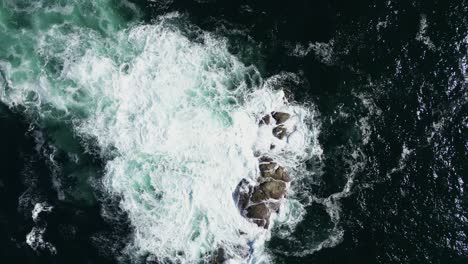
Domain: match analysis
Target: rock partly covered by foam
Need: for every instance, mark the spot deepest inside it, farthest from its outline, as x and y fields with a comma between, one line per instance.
x=273, y=189
x=273, y=171
x=258, y=200
x=280, y=117
x=265, y=120
x=280, y=131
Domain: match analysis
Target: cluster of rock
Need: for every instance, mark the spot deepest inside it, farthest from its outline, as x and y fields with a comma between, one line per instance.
x=259, y=200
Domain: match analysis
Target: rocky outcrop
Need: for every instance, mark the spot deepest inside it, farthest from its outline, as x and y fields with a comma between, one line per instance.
x=258, y=200
x=280, y=117
x=273, y=189
x=265, y=120
x=273, y=171
x=280, y=131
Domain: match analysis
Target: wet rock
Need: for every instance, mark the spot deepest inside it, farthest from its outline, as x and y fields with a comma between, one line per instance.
x=281, y=175
x=265, y=120
x=259, y=196
x=242, y=194
x=261, y=222
x=257, y=203
x=274, y=189
x=258, y=211
x=265, y=159
x=267, y=166
x=219, y=256
x=279, y=132
x=267, y=169
x=280, y=117
x=288, y=95
x=278, y=174
x=274, y=206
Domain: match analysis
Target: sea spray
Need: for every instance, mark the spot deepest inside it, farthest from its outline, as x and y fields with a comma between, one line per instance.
x=176, y=119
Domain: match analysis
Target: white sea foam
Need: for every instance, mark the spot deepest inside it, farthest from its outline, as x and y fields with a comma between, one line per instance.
x=39, y=208
x=35, y=238
x=422, y=33
x=177, y=120
x=322, y=50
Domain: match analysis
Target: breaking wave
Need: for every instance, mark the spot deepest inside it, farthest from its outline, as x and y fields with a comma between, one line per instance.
x=175, y=116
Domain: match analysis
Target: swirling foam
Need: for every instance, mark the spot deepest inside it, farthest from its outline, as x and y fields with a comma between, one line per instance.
x=177, y=120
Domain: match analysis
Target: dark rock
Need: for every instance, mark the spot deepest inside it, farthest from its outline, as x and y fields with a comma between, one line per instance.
x=280, y=117
x=261, y=222
x=219, y=256
x=274, y=189
x=259, y=196
x=265, y=120
x=267, y=169
x=242, y=194
x=270, y=166
x=279, y=132
x=281, y=175
x=265, y=159
x=288, y=95
x=274, y=206
x=258, y=211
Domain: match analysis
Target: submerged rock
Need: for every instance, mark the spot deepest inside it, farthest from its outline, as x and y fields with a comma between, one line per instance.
x=242, y=194
x=279, y=131
x=265, y=120
x=262, y=222
x=265, y=159
x=219, y=256
x=280, y=117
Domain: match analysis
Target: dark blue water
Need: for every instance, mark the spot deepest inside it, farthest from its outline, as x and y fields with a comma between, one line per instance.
x=391, y=87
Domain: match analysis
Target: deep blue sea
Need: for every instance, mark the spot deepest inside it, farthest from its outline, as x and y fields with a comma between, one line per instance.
x=126, y=125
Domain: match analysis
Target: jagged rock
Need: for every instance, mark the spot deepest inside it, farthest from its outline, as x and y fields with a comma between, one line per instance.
x=274, y=189
x=267, y=166
x=242, y=194
x=261, y=222
x=288, y=95
x=259, y=196
x=219, y=256
x=280, y=117
x=279, y=131
x=254, y=202
x=281, y=175
x=274, y=206
x=267, y=169
x=265, y=159
x=258, y=211
x=265, y=120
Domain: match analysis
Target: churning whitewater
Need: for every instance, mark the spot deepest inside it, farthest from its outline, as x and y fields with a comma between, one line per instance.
x=175, y=116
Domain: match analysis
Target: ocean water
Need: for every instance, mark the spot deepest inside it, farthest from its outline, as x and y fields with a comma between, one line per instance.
x=127, y=125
